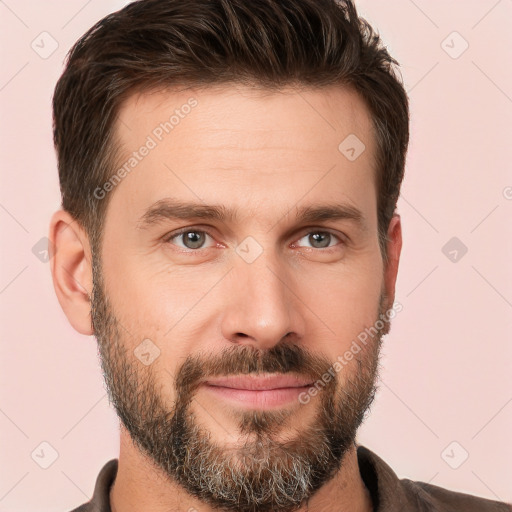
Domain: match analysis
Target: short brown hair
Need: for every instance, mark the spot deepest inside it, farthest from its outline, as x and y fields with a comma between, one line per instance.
x=153, y=44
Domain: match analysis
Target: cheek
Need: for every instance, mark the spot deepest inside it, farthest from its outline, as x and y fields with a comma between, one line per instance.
x=343, y=304
x=151, y=300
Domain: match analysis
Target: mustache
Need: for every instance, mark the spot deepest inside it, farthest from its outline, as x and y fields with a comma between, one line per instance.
x=247, y=360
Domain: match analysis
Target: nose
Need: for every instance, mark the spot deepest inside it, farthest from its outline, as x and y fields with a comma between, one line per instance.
x=263, y=308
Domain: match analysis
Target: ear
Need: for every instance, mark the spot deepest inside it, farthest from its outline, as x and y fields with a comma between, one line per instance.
x=394, y=248
x=71, y=269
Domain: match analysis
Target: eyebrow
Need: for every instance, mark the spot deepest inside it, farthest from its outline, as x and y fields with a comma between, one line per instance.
x=173, y=209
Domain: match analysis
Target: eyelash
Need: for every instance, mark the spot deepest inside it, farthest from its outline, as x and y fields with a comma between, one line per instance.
x=168, y=238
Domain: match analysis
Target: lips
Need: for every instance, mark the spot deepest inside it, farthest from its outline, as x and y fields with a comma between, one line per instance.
x=259, y=382
x=258, y=391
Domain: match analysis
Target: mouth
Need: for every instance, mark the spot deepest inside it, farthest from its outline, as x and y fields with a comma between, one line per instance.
x=259, y=391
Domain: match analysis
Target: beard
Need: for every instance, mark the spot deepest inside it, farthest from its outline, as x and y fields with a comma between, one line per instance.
x=263, y=473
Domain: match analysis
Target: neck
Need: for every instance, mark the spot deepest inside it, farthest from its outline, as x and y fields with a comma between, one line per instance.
x=140, y=485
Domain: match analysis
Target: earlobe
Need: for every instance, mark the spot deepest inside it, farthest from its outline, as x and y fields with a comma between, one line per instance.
x=394, y=248
x=71, y=270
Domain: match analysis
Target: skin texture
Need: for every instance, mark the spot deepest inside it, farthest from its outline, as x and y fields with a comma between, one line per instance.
x=264, y=154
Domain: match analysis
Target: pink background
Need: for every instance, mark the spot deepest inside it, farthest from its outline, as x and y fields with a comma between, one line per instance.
x=446, y=367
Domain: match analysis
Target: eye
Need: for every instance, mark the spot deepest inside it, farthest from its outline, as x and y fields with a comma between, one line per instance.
x=320, y=239
x=191, y=238
x=195, y=239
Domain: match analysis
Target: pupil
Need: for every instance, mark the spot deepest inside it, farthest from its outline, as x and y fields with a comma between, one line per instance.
x=325, y=237
x=191, y=237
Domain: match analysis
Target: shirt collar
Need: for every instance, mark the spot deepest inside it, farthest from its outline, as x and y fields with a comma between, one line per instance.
x=386, y=489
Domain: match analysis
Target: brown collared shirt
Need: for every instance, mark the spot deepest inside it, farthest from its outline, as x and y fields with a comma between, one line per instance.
x=388, y=492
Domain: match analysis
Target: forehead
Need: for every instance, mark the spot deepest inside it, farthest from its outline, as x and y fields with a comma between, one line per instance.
x=231, y=144
x=252, y=115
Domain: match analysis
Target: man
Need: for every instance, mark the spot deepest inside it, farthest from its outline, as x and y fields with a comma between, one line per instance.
x=229, y=174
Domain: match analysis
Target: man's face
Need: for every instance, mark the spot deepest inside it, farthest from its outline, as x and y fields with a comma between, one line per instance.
x=256, y=295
